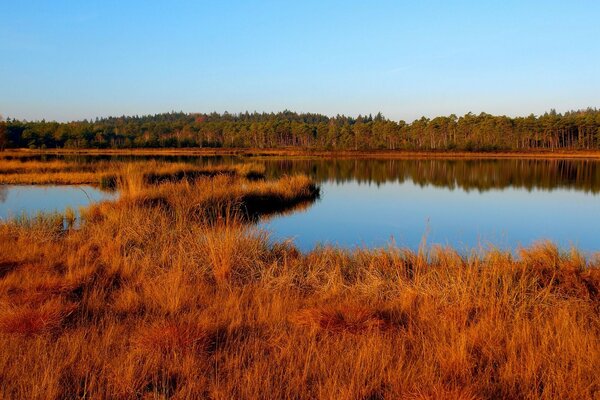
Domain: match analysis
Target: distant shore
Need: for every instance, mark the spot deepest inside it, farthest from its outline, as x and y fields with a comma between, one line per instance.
x=257, y=152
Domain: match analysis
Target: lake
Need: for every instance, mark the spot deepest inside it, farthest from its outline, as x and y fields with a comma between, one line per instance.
x=465, y=203
x=16, y=200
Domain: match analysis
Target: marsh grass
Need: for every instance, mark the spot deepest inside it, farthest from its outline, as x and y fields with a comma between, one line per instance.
x=15, y=166
x=170, y=293
x=220, y=196
x=110, y=174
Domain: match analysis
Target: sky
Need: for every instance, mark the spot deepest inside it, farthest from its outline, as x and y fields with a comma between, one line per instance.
x=66, y=60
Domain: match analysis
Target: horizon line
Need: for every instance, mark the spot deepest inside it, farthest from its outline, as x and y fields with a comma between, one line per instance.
x=329, y=116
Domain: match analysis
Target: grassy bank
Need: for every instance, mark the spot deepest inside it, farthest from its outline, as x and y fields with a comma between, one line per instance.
x=26, y=171
x=169, y=293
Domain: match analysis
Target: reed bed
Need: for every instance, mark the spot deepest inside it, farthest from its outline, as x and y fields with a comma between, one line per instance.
x=153, y=299
x=213, y=198
x=15, y=166
x=27, y=172
x=108, y=173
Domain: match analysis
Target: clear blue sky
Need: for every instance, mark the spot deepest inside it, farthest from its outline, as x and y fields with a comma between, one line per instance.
x=79, y=59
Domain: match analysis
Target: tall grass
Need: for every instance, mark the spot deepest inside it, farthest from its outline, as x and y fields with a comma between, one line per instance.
x=109, y=174
x=180, y=298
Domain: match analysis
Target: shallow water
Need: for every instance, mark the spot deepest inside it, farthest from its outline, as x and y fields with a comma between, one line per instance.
x=16, y=200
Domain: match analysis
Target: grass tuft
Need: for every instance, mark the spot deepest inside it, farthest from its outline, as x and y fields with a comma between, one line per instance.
x=28, y=321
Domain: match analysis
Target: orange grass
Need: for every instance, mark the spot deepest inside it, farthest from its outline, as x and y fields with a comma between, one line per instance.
x=24, y=165
x=105, y=173
x=215, y=197
x=157, y=300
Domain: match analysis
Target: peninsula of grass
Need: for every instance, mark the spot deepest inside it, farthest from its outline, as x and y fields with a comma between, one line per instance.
x=170, y=293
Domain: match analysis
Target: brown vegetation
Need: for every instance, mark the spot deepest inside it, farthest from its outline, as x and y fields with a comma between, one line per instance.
x=27, y=171
x=168, y=293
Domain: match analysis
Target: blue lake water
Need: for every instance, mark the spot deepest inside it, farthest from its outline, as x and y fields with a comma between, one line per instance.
x=353, y=214
x=465, y=203
x=16, y=200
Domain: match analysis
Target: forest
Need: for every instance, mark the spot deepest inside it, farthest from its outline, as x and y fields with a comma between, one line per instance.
x=552, y=131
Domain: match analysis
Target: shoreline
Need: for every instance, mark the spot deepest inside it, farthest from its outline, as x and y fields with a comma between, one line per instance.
x=304, y=153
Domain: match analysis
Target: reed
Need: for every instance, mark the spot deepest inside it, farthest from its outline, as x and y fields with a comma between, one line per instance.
x=108, y=174
x=181, y=298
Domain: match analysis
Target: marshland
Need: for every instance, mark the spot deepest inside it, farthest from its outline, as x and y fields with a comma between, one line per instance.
x=182, y=285
x=299, y=200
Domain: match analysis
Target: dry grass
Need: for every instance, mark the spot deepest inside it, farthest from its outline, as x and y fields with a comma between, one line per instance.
x=25, y=171
x=216, y=197
x=26, y=165
x=28, y=171
x=160, y=299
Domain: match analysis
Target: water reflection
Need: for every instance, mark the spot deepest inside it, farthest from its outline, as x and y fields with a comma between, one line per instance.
x=479, y=174
x=462, y=203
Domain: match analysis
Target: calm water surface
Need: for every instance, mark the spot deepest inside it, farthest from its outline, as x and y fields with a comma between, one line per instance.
x=16, y=200
x=462, y=203
x=372, y=202
x=362, y=214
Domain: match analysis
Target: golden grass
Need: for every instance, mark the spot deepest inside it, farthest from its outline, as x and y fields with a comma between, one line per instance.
x=217, y=197
x=108, y=174
x=8, y=166
x=160, y=299
x=27, y=171
x=58, y=178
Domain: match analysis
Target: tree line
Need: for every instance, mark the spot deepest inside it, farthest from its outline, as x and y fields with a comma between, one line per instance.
x=574, y=130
